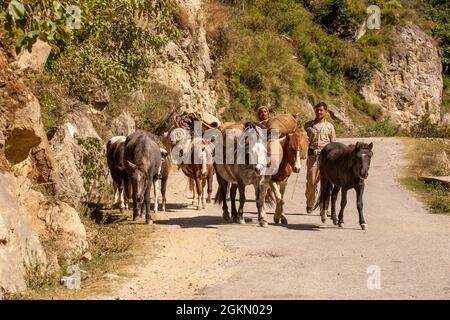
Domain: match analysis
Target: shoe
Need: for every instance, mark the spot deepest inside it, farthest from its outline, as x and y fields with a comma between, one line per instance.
x=309, y=210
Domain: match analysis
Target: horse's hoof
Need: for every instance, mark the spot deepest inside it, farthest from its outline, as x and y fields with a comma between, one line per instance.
x=335, y=222
x=204, y=206
x=364, y=226
x=284, y=221
x=149, y=221
x=276, y=220
x=227, y=217
x=323, y=217
x=241, y=221
x=208, y=200
x=341, y=224
x=263, y=224
x=328, y=214
x=198, y=208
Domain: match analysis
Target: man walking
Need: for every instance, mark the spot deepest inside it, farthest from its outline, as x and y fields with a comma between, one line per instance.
x=320, y=133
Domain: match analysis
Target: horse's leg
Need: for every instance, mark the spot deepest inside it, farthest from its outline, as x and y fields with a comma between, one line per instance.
x=192, y=187
x=147, y=198
x=343, y=204
x=283, y=186
x=234, y=212
x=223, y=186
x=334, y=195
x=259, y=192
x=240, y=216
x=198, y=188
x=163, y=193
x=276, y=190
x=156, y=190
x=203, y=193
x=210, y=184
x=325, y=198
x=359, y=205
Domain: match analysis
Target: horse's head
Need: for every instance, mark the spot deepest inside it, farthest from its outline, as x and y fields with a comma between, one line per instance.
x=139, y=181
x=296, y=148
x=254, y=138
x=203, y=152
x=362, y=156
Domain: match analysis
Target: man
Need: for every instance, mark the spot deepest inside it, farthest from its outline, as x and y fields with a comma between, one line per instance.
x=320, y=133
x=263, y=113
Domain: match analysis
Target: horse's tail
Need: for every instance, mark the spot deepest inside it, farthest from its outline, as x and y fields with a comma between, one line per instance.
x=323, y=189
x=218, y=199
x=270, y=199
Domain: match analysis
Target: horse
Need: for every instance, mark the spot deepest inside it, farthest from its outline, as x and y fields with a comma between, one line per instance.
x=160, y=182
x=115, y=150
x=343, y=167
x=239, y=175
x=196, y=163
x=142, y=163
x=294, y=148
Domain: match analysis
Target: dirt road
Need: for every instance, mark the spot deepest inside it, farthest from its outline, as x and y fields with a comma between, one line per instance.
x=406, y=249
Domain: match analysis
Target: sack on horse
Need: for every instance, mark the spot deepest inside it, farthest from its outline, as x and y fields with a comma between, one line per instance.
x=284, y=123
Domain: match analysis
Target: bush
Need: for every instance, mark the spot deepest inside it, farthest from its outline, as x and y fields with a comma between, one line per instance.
x=427, y=129
x=382, y=128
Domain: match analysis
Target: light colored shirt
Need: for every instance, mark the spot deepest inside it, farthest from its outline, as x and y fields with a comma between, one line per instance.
x=320, y=134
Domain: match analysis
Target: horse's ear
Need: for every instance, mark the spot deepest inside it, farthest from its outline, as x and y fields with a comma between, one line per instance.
x=166, y=134
x=294, y=115
x=131, y=165
x=371, y=146
x=357, y=146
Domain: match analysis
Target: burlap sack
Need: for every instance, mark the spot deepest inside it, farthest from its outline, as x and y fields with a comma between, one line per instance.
x=285, y=123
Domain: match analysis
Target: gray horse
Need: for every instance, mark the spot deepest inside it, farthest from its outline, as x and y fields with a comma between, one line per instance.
x=242, y=174
x=143, y=161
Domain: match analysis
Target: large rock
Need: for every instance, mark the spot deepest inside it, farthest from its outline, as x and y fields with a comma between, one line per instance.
x=69, y=155
x=21, y=254
x=410, y=83
x=186, y=64
x=123, y=125
x=340, y=115
x=34, y=60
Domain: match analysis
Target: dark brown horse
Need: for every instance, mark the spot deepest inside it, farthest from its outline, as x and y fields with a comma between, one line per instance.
x=343, y=167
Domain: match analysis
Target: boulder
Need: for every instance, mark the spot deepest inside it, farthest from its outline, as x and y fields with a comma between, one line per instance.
x=340, y=115
x=34, y=60
x=68, y=155
x=409, y=84
x=21, y=254
x=123, y=125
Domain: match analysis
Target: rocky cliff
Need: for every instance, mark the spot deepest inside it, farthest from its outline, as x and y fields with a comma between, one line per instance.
x=409, y=84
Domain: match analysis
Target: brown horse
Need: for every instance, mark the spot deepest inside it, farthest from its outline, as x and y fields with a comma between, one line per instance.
x=345, y=167
x=294, y=149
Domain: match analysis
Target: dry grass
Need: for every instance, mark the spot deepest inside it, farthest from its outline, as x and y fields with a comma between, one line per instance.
x=113, y=242
x=424, y=157
x=183, y=19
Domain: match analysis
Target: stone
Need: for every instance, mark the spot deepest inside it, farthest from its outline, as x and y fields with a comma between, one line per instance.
x=409, y=84
x=123, y=125
x=20, y=248
x=87, y=257
x=34, y=60
x=68, y=155
x=340, y=116
x=446, y=119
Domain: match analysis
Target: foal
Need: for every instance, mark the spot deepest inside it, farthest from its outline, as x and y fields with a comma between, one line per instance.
x=345, y=167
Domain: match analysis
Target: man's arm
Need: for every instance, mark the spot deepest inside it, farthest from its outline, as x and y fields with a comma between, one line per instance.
x=332, y=134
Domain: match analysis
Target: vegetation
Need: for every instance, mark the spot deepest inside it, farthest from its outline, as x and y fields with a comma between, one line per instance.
x=423, y=160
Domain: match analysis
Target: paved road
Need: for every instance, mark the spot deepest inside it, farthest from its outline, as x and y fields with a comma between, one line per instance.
x=199, y=256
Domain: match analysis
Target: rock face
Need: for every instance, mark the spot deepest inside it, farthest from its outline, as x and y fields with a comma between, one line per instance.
x=186, y=64
x=27, y=217
x=410, y=83
x=34, y=60
x=20, y=249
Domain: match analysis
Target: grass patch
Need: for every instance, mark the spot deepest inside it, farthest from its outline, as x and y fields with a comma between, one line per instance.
x=427, y=157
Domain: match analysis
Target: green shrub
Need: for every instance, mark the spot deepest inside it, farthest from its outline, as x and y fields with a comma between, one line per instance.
x=427, y=129
x=383, y=128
